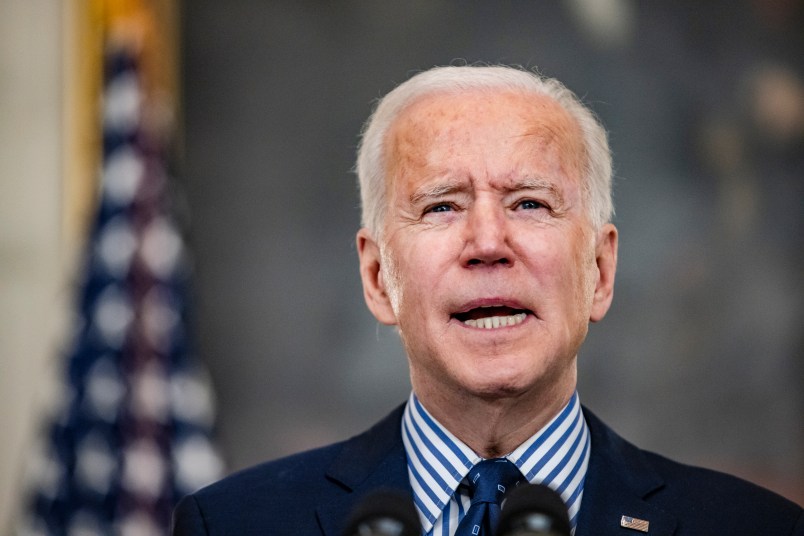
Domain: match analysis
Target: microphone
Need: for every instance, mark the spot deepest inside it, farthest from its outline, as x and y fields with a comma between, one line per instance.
x=533, y=510
x=384, y=513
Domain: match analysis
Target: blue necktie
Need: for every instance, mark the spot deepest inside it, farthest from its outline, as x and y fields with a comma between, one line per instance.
x=488, y=482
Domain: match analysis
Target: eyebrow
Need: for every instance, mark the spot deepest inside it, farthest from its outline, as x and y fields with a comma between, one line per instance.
x=437, y=190
x=538, y=183
x=450, y=187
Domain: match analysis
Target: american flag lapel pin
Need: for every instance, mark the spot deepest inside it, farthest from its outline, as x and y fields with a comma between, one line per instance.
x=629, y=522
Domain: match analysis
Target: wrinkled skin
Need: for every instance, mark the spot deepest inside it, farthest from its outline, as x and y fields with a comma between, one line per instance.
x=487, y=217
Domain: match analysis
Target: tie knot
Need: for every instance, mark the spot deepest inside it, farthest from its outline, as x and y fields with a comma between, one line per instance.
x=490, y=479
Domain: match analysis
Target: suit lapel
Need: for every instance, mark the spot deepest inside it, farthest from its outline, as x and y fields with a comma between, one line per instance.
x=618, y=481
x=368, y=462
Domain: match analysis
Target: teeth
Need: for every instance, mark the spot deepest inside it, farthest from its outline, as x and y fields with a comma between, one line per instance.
x=492, y=322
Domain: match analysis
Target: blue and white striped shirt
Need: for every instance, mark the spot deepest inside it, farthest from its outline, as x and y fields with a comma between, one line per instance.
x=557, y=456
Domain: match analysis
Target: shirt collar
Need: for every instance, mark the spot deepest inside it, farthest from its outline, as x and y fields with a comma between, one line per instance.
x=557, y=456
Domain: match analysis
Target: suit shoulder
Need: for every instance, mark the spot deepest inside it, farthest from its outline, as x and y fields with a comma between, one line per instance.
x=698, y=500
x=713, y=501
x=294, y=471
x=279, y=493
x=707, y=486
x=286, y=493
x=300, y=471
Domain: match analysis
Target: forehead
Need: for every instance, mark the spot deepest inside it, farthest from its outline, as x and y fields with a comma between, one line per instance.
x=447, y=126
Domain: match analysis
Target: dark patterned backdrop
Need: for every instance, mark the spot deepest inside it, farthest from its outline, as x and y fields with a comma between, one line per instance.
x=701, y=356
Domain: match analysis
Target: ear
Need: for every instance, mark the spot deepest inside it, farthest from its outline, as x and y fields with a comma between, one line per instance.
x=606, y=261
x=374, y=290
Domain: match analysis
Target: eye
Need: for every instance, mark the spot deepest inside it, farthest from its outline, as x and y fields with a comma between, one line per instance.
x=441, y=207
x=530, y=204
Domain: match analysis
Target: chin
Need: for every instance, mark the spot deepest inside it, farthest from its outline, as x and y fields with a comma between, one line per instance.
x=499, y=392
x=517, y=379
x=498, y=385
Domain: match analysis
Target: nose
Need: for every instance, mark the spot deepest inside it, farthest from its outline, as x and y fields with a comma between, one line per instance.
x=486, y=237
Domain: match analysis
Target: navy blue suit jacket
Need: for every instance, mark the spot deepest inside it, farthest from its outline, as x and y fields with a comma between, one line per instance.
x=312, y=493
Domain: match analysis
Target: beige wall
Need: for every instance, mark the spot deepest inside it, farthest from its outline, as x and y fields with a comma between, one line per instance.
x=50, y=75
x=33, y=289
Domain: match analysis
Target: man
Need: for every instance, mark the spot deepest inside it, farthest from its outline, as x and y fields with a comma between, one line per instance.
x=486, y=239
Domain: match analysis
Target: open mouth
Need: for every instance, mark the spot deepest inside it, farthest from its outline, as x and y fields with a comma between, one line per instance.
x=492, y=317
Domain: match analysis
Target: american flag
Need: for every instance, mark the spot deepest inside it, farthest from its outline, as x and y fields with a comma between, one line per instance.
x=131, y=435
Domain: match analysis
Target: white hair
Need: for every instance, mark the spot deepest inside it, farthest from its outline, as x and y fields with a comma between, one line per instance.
x=371, y=165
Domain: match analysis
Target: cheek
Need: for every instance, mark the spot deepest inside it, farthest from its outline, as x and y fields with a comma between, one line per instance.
x=584, y=278
x=562, y=268
x=399, y=270
x=419, y=274
x=389, y=271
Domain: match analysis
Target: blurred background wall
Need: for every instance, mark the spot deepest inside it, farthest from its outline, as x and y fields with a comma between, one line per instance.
x=701, y=357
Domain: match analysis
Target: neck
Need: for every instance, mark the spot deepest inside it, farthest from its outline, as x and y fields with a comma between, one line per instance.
x=493, y=426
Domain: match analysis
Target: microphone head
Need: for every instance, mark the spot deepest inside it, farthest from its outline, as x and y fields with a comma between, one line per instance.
x=384, y=513
x=531, y=510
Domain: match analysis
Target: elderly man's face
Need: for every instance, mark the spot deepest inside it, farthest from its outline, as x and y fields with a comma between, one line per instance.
x=489, y=264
